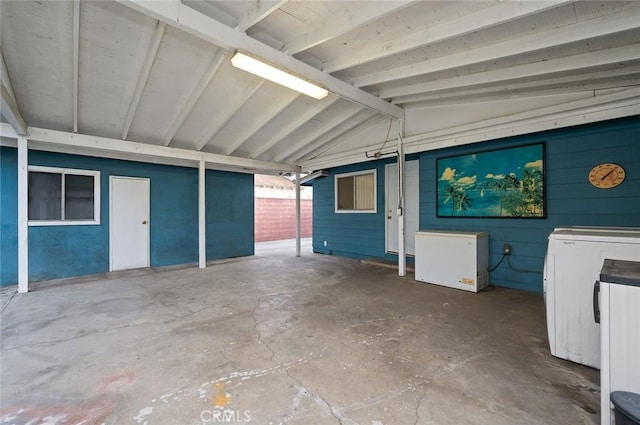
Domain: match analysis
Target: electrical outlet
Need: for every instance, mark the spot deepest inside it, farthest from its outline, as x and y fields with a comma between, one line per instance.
x=325, y=243
x=506, y=249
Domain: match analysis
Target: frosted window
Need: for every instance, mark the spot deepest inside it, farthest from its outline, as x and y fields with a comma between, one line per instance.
x=356, y=192
x=364, y=192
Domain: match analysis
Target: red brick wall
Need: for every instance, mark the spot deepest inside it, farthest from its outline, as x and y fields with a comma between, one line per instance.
x=275, y=219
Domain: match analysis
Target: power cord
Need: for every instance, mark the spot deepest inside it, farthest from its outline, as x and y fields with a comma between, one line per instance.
x=499, y=262
x=519, y=270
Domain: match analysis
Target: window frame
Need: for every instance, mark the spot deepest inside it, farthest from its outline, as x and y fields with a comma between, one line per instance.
x=72, y=171
x=375, y=192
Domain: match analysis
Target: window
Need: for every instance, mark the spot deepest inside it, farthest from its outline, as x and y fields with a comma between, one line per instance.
x=356, y=192
x=61, y=196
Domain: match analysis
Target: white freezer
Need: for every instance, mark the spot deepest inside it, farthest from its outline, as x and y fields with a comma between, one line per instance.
x=455, y=259
x=573, y=263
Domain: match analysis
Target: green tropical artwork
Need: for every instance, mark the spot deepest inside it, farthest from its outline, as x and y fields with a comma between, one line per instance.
x=499, y=183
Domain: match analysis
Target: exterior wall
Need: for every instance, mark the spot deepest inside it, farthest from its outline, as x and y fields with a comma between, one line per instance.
x=64, y=251
x=356, y=235
x=275, y=219
x=570, y=200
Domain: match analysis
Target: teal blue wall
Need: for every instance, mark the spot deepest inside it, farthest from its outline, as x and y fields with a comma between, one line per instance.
x=355, y=235
x=230, y=209
x=63, y=251
x=570, y=200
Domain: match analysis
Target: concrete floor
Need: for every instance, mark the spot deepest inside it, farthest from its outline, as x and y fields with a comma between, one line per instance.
x=276, y=339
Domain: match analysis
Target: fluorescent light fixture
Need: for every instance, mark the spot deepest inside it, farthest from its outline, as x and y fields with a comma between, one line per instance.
x=261, y=69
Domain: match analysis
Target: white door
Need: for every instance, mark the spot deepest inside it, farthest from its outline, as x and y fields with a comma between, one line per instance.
x=129, y=223
x=411, y=204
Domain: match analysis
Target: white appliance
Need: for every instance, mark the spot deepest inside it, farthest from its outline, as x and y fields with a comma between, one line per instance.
x=573, y=262
x=455, y=259
x=619, y=314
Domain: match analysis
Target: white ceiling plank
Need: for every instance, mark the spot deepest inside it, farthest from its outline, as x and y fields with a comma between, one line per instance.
x=344, y=137
x=215, y=64
x=220, y=119
x=143, y=77
x=602, y=26
x=9, y=107
x=542, y=69
x=75, y=59
x=294, y=125
x=103, y=144
x=259, y=10
x=275, y=108
x=174, y=13
x=334, y=132
x=314, y=134
x=369, y=13
x=480, y=20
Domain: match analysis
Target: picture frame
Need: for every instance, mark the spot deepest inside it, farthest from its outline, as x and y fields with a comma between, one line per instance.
x=498, y=183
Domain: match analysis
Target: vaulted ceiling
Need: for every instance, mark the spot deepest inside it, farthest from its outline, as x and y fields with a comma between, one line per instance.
x=159, y=72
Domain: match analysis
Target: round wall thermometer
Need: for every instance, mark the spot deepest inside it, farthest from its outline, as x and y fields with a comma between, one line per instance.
x=606, y=176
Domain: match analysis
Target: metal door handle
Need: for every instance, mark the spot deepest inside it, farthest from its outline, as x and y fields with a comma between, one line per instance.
x=596, y=304
x=144, y=222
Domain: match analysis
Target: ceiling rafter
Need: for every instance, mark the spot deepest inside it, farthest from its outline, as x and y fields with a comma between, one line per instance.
x=75, y=61
x=104, y=144
x=221, y=119
x=577, y=112
x=294, y=124
x=503, y=126
x=175, y=13
x=541, y=69
x=152, y=51
x=585, y=30
x=334, y=131
x=258, y=11
x=598, y=80
x=344, y=24
x=483, y=19
x=276, y=106
x=344, y=137
x=213, y=68
x=8, y=103
x=312, y=135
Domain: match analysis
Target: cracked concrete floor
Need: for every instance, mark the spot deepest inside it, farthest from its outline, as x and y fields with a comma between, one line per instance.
x=278, y=339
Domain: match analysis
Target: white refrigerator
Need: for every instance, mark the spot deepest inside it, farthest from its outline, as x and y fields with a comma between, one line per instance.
x=617, y=306
x=572, y=264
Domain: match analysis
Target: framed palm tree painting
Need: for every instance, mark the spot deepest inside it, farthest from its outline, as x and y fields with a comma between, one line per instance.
x=502, y=183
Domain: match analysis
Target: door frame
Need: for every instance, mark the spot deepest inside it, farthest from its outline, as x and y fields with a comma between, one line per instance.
x=111, y=204
x=386, y=207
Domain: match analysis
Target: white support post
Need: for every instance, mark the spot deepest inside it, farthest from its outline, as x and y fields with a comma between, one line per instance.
x=402, y=259
x=23, y=218
x=202, y=222
x=298, y=232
